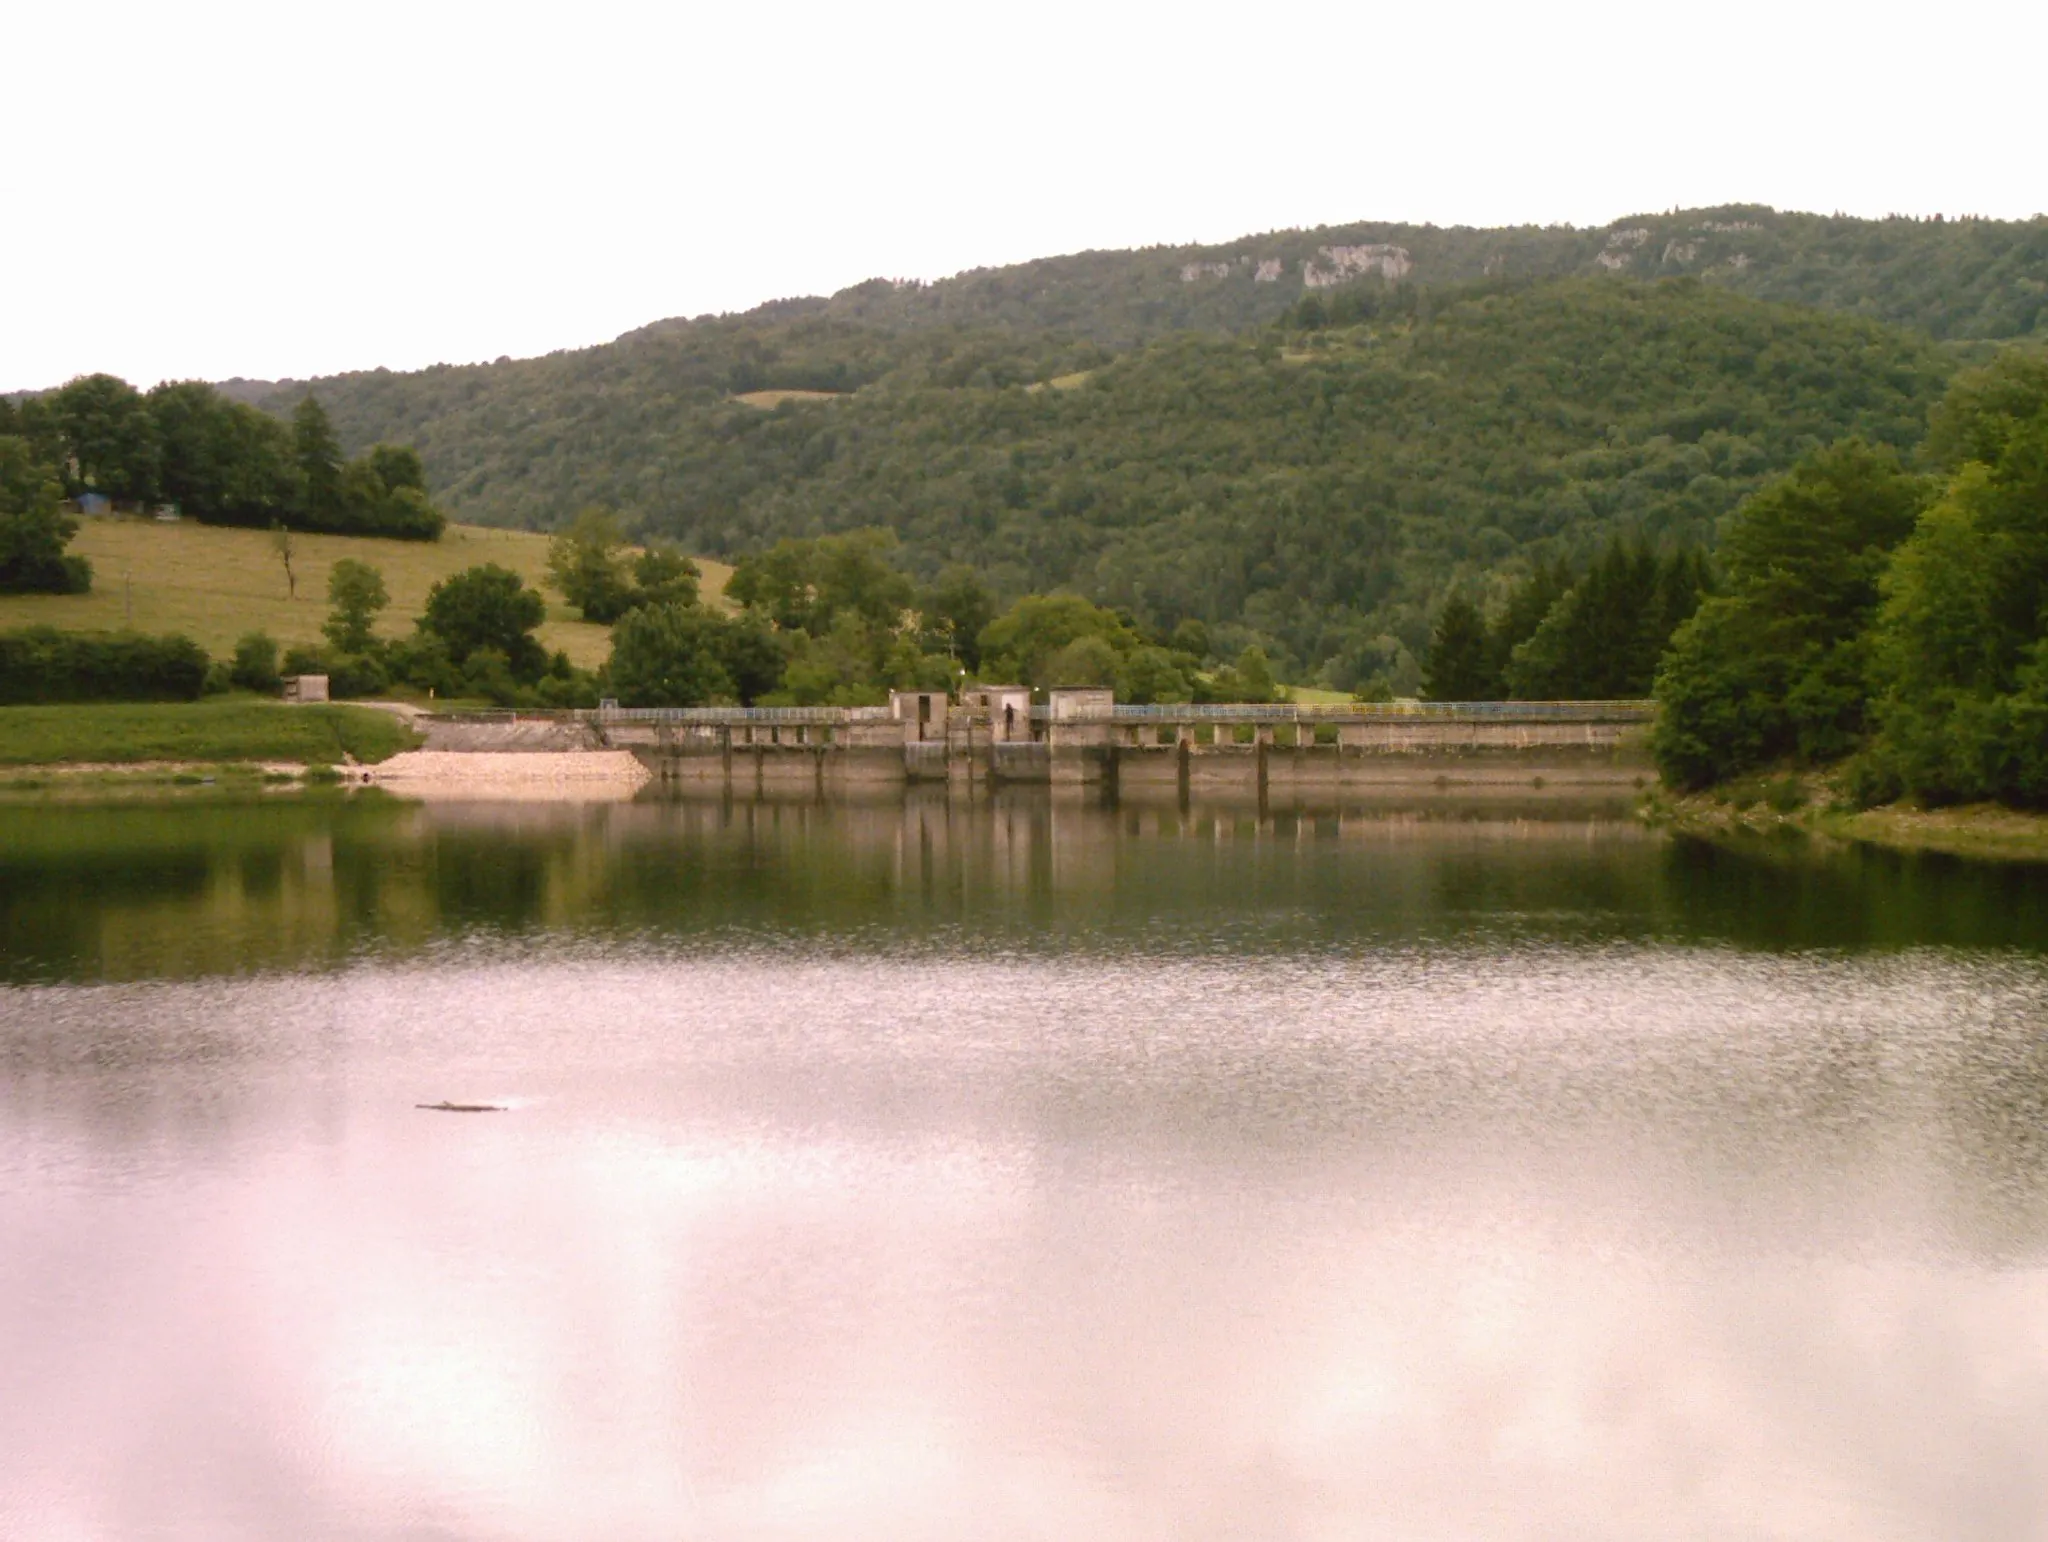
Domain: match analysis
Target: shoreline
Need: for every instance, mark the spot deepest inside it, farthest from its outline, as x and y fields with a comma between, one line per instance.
x=1803, y=806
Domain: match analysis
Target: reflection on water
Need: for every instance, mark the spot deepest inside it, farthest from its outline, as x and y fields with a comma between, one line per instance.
x=138, y=892
x=1027, y=1172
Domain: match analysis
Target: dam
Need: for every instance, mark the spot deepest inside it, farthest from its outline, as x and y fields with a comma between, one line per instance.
x=1086, y=738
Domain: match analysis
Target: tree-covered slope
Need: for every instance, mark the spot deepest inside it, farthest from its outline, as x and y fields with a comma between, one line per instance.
x=1317, y=490
x=1312, y=490
x=524, y=442
x=1952, y=279
x=527, y=442
x=1173, y=430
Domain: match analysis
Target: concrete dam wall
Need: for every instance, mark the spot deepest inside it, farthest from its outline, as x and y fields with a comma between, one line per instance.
x=1084, y=738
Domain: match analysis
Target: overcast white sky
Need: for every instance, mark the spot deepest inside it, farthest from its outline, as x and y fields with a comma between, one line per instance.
x=211, y=189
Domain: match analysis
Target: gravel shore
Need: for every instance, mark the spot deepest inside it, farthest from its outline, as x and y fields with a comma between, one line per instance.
x=574, y=773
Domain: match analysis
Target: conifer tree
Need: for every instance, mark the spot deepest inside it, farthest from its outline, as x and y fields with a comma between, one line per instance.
x=1460, y=665
x=317, y=453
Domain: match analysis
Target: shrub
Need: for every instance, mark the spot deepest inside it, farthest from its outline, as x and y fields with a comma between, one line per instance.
x=42, y=664
x=488, y=673
x=356, y=674
x=255, y=664
x=669, y=656
x=488, y=608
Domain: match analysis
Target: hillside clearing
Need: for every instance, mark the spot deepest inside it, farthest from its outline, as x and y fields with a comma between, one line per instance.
x=214, y=583
x=770, y=399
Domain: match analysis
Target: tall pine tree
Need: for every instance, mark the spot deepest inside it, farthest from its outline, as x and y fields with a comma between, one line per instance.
x=1460, y=666
x=318, y=456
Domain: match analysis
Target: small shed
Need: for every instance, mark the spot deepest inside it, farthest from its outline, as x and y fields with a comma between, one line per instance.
x=927, y=709
x=305, y=688
x=1007, y=707
x=95, y=503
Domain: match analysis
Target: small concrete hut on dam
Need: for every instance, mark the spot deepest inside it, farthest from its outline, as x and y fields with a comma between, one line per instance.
x=1084, y=736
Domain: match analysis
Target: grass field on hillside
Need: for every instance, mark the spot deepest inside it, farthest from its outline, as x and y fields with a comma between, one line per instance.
x=208, y=732
x=214, y=583
x=769, y=400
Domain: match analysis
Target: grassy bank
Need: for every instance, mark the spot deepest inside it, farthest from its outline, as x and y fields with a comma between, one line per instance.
x=1810, y=805
x=198, y=733
x=213, y=584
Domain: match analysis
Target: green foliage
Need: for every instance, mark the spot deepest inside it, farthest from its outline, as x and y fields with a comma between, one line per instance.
x=355, y=594
x=669, y=656
x=225, y=462
x=842, y=668
x=1153, y=674
x=955, y=609
x=1959, y=649
x=1249, y=679
x=1985, y=407
x=679, y=653
x=34, y=527
x=109, y=439
x=845, y=618
x=1090, y=660
x=664, y=576
x=208, y=732
x=383, y=493
x=1022, y=643
x=587, y=562
x=806, y=584
x=1461, y=665
x=1602, y=638
x=254, y=667
x=1862, y=615
x=585, y=565
x=1312, y=505
x=317, y=455
x=221, y=461
x=42, y=664
x=487, y=607
x=1312, y=499
x=1775, y=667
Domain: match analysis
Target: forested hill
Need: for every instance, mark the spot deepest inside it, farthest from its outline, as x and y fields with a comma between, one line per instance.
x=1301, y=437
x=1952, y=279
x=1312, y=487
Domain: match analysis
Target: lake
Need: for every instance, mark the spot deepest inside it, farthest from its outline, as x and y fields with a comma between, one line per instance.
x=1021, y=1169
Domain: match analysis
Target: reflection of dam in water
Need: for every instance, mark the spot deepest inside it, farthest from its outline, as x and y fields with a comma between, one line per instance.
x=1083, y=737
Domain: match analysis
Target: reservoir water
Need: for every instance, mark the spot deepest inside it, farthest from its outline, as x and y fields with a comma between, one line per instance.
x=1011, y=1171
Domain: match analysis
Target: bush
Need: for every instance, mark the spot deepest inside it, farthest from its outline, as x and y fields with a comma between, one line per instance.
x=488, y=608
x=669, y=656
x=422, y=661
x=356, y=674
x=42, y=664
x=488, y=673
x=255, y=664
x=34, y=527
x=348, y=674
